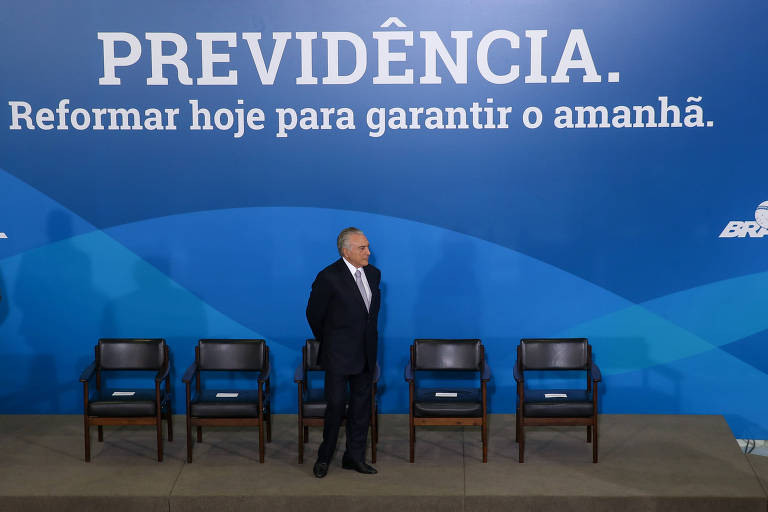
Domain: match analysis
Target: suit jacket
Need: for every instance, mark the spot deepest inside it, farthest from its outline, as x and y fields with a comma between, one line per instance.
x=347, y=332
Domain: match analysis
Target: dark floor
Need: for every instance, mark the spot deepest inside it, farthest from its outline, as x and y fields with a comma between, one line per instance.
x=647, y=462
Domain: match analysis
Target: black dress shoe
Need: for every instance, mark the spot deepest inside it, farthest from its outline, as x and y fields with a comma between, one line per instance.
x=360, y=467
x=320, y=469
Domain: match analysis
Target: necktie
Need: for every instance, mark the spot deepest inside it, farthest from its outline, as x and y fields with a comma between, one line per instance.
x=359, y=281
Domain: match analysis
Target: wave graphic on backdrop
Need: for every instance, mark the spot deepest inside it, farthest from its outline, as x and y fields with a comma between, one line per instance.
x=246, y=272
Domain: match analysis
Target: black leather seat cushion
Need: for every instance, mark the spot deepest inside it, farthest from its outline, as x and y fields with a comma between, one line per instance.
x=577, y=404
x=208, y=405
x=315, y=404
x=142, y=403
x=468, y=403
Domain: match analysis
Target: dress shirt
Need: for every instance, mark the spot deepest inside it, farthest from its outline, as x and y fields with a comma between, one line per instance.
x=354, y=269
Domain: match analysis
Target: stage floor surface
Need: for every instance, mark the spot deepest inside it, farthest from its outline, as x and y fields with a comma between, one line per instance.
x=647, y=463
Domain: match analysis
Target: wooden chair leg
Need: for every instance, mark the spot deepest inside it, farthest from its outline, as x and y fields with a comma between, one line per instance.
x=306, y=433
x=589, y=433
x=261, y=439
x=199, y=434
x=517, y=426
x=413, y=440
x=594, y=445
x=87, y=437
x=101, y=433
x=169, y=419
x=86, y=424
x=189, y=437
x=301, y=442
x=484, y=429
x=159, y=425
x=521, y=444
x=269, y=427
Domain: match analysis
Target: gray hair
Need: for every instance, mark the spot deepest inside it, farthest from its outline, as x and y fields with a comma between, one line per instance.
x=343, y=238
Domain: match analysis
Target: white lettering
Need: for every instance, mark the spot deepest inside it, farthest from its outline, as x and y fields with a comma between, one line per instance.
x=156, y=40
x=17, y=114
x=361, y=56
x=482, y=56
x=267, y=74
x=110, y=61
x=536, y=113
x=434, y=47
x=209, y=58
x=306, y=39
x=535, y=76
x=733, y=229
x=386, y=56
x=576, y=39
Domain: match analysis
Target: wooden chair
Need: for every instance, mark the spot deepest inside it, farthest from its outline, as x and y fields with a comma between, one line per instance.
x=571, y=407
x=448, y=406
x=312, y=402
x=230, y=407
x=128, y=405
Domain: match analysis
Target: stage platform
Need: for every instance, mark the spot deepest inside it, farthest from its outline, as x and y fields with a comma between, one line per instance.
x=647, y=463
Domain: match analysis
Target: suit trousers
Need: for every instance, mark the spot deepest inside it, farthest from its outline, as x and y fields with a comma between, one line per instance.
x=358, y=414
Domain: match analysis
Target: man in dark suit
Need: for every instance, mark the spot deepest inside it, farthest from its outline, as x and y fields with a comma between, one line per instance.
x=343, y=312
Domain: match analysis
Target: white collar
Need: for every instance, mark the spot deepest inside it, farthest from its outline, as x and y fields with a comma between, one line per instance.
x=352, y=268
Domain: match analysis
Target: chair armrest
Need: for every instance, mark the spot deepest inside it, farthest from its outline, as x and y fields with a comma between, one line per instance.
x=298, y=375
x=162, y=374
x=88, y=372
x=517, y=373
x=376, y=373
x=485, y=371
x=264, y=374
x=409, y=373
x=596, y=375
x=190, y=373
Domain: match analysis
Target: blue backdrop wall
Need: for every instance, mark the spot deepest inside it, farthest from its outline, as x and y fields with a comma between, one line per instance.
x=613, y=193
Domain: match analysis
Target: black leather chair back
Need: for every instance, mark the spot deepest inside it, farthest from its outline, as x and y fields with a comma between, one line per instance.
x=232, y=355
x=435, y=354
x=131, y=354
x=554, y=354
x=311, y=351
